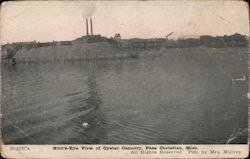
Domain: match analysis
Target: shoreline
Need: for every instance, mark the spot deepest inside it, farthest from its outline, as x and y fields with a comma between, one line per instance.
x=36, y=55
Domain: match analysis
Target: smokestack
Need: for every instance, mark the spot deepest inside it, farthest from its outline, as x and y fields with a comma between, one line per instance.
x=91, y=26
x=87, y=27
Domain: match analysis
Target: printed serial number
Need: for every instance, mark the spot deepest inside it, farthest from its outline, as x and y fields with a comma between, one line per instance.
x=19, y=148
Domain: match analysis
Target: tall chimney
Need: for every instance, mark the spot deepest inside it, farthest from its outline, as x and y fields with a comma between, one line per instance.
x=87, y=27
x=91, y=26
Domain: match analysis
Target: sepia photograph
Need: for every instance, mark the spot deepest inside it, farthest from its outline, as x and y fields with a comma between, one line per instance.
x=124, y=72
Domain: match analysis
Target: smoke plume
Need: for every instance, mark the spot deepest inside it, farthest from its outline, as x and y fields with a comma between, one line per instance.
x=87, y=10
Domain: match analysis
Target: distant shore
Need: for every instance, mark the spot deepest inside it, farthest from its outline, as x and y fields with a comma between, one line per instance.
x=98, y=47
x=65, y=55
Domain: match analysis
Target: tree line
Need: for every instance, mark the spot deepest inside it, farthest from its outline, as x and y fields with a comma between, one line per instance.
x=235, y=40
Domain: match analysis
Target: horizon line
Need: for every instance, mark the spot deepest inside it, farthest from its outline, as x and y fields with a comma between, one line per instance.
x=180, y=37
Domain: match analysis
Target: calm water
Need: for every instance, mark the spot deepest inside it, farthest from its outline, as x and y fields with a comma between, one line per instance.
x=170, y=99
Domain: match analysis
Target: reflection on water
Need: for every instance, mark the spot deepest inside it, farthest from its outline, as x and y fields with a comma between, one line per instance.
x=172, y=99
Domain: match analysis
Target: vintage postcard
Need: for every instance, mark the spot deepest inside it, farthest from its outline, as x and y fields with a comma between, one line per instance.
x=124, y=79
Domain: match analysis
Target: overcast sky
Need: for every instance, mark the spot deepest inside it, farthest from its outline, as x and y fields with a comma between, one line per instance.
x=63, y=20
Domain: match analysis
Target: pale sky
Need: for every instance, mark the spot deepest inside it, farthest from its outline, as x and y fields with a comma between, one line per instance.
x=63, y=20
